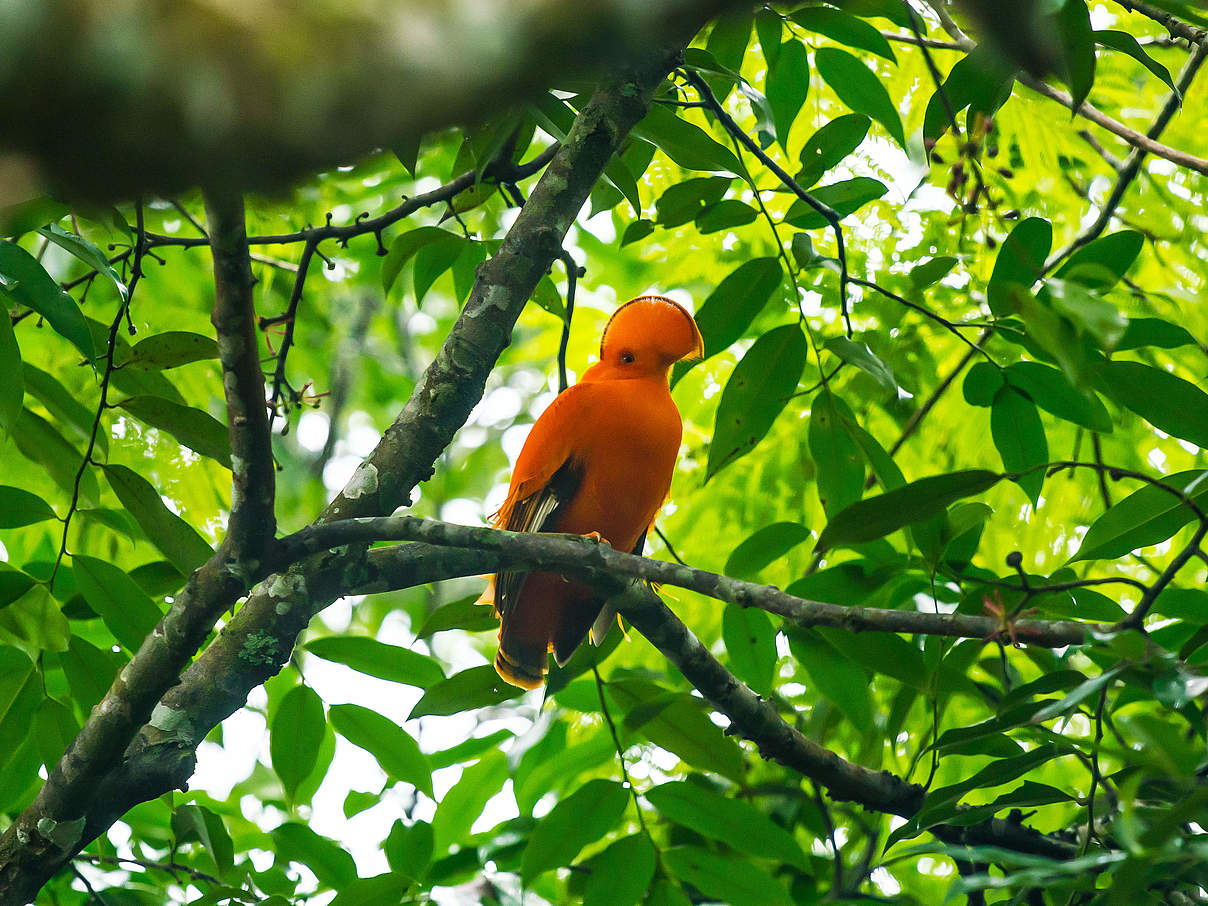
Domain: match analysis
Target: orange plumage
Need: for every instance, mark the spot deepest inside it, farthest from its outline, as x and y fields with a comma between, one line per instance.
x=599, y=459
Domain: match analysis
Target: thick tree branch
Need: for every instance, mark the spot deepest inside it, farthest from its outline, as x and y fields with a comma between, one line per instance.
x=165, y=97
x=253, y=523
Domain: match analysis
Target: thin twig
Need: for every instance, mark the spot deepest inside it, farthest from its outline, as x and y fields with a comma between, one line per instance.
x=572, y=275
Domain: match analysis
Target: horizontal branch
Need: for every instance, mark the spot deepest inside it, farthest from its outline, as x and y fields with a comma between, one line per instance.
x=584, y=558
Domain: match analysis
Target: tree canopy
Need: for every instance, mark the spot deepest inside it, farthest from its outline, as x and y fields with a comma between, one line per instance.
x=925, y=615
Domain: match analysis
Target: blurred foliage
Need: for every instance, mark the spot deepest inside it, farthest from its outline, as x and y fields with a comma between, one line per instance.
x=385, y=765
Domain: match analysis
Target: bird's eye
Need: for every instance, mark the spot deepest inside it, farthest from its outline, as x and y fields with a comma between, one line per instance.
x=627, y=357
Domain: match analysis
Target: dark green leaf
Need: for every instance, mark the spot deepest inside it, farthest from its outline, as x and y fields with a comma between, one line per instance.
x=1019, y=263
x=1154, y=332
x=725, y=215
x=40, y=442
x=171, y=349
x=388, y=662
x=730, y=309
x=12, y=383
x=121, y=603
x=844, y=198
x=726, y=878
x=929, y=272
x=87, y=252
x=764, y=547
x=867, y=520
x=830, y=145
x=980, y=81
x=465, y=691
x=839, y=679
x=1166, y=401
x=982, y=383
x=732, y=821
x=844, y=28
x=757, y=391
x=636, y=231
x=466, y=614
x=36, y=618
x=621, y=875
x=751, y=644
x=192, y=428
x=729, y=37
x=1019, y=438
x=1101, y=263
x=380, y=890
x=196, y=822
x=175, y=538
x=1148, y=516
x=1126, y=43
x=393, y=747
x=328, y=861
x=18, y=507
x=409, y=849
x=881, y=652
x=683, y=201
x=295, y=736
x=1050, y=390
x=433, y=259
x=835, y=452
x=859, y=88
x=1076, y=696
x=1077, y=38
x=767, y=30
x=686, y=144
x=65, y=407
x=1087, y=311
x=584, y=817
x=404, y=248
x=13, y=584
x=787, y=85
x=26, y=282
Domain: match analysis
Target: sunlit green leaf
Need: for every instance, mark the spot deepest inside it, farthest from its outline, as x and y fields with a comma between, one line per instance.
x=394, y=748
x=859, y=88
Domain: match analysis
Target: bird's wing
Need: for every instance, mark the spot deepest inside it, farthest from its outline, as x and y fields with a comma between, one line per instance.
x=546, y=475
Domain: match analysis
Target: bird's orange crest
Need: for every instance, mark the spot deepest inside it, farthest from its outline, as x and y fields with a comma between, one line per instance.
x=656, y=323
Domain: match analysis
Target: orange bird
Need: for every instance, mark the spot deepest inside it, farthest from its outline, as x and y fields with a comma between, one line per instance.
x=597, y=462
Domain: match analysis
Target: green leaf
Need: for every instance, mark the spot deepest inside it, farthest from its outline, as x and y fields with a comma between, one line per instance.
x=1145, y=517
x=845, y=197
x=18, y=507
x=1101, y=264
x=736, y=823
x=295, y=842
x=460, y=807
x=175, y=538
x=1076, y=696
x=980, y=81
x=1088, y=311
x=1050, y=390
x=929, y=272
x=725, y=878
x=683, y=201
x=755, y=394
x=730, y=309
x=764, y=547
x=380, y=890
x=65, y=407
x=844, y=28
x=583, y=817
x=15, y=669
x=830, y=145
x=686, y=144
x=876, y=517
x=1077, y=39
x=1166, y=401
x=192, y=428
x=637, y=231
x=677, y=723
x=1154, y=332
x=865, y=359
x=12, y=382
x=26, y=282
x=123, y=606
x=881, y=652
x=295, y=736
x=394, y=748
x=838, y=678
x=1127, y=44
x=725, y=215
x=40, y=442
x=840, y=479
x=388, y=662
x=13, y=584
x=197, y=823
x=404, y=248
x=87, y=252
x=468, y=750
x=1019, y=263
x=36, y=619
x=787, y=85
x=171, y=349
x=466, y=614
x=751, y=644
x=409, y=849
x=1019, y=438
x=621, y=875
x=982, y=383
x=859, y=88
x=477, y=687
x=432, y=260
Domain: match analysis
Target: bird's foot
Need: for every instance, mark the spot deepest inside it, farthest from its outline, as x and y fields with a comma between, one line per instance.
x=597, y=538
